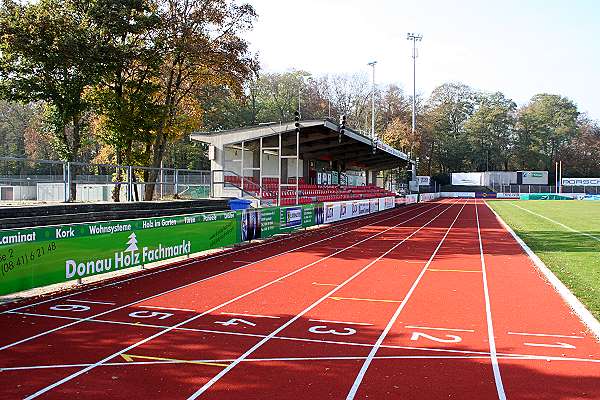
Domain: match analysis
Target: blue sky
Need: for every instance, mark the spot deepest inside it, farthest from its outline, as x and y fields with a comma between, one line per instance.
x=518, y=47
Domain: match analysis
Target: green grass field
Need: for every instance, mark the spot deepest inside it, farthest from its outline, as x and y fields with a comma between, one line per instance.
x=572, y=254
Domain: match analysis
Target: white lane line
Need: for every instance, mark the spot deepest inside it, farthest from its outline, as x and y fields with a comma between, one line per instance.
x=214, y=379
x=597, y=239
x=250, y=315
x=193, y=283
x=168, y=308
x=546, y=335
x=324, y=284
x=341, y=322
x=452, y=270
x=488, y=313
x=91, y=302
x=201, y=259
x=586, y=317
x=85, y=370
x=438, y=329
x=361, y=374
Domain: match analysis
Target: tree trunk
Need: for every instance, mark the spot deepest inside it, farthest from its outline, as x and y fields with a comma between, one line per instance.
x=157, y=156
x=116, y=192
x=74, y=150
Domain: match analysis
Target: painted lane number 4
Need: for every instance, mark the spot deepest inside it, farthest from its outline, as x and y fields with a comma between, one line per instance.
x=235, y=321
x=451, y=338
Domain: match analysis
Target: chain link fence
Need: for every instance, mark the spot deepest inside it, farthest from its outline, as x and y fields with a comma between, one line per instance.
x=30, y=181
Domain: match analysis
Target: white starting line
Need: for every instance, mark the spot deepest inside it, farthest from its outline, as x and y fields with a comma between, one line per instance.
x=91, y=302
x=280, y=359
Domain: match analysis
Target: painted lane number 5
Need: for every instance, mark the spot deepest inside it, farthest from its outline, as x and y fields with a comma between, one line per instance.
x=322, y=329
x=150, y=314
x=452, y=338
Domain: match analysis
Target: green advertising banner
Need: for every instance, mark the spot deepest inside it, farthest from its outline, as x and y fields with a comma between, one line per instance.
x=42, y=256
x=266, y=222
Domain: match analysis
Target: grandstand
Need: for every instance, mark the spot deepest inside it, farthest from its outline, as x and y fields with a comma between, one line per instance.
x=299, y=163
x=307, y=193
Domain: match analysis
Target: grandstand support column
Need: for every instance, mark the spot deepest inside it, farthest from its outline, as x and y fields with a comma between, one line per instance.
x=279, y=168
x=374, y=174
x=260, y=168
x=217, y=165
x=297, y=165
x=242, y=169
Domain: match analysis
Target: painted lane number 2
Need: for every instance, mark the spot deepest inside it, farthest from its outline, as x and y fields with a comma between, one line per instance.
x=451, y=338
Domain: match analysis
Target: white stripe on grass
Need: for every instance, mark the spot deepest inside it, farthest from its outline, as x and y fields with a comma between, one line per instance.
x=559, y=223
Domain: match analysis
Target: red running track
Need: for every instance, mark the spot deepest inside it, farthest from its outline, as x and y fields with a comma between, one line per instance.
x=431, y=301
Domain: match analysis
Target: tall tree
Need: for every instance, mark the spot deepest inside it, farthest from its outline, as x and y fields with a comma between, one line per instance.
x=203, y=45
x=490, y=132
x=447, y=110
x=545, y=126
x=580, y=156
x=51, y=51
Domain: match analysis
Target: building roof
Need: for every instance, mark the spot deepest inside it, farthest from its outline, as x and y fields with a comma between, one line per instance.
x=319, y=139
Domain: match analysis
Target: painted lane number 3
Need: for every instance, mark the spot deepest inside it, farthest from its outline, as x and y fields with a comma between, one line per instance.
x=322, y=329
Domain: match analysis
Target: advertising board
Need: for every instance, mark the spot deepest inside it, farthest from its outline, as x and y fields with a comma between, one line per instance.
x=46, y=255
x=580, y=181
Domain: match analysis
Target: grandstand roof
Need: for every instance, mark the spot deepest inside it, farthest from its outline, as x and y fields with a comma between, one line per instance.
x=319, y=139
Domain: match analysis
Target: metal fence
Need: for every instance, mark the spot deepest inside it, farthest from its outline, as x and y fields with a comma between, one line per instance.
x=27, y=180
x=544, y=189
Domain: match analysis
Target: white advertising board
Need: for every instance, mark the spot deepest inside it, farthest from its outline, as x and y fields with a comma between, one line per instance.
x=411, y=198
x=424, y=180
x=340, y=210
x=458, y=194
x=507, y=195
x=374, y=205
x=467, y=178
x=389, y=202
x=427, y=197
x=534, y=177
x=580, y=182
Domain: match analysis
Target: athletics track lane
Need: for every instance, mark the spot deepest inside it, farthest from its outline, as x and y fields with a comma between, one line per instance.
x=80, y=344
x=445, y=316
x=530, y=318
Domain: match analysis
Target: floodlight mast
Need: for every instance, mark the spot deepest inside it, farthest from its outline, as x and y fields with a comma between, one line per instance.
x=372, y=64
x=415, y=37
